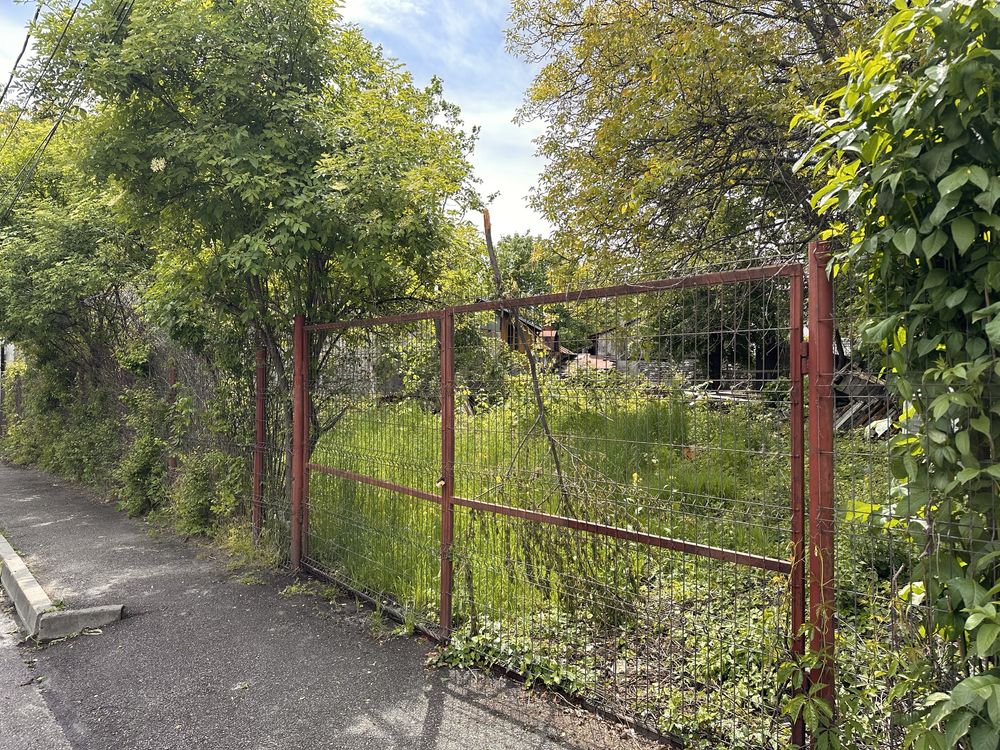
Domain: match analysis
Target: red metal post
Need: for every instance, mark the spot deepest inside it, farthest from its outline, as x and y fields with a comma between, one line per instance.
x=447, y=467
x=257, y=507
x=306, y=429
x=171, y=400
x=821, y=497
x=797, y=578
x=298, y=448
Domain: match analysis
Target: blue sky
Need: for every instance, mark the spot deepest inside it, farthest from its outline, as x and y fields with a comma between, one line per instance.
x=14, y=17
x=460, y=41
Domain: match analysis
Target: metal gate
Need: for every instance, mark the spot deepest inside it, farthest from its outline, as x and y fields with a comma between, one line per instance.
x=600, y=490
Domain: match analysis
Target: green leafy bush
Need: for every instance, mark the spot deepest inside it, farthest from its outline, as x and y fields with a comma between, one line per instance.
x=491, y=646
x=911, y=159
x=121, y=444
x=69, y=430
x=140, y=477
x=208, y=490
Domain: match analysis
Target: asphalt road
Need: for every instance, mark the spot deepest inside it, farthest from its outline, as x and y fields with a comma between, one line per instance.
x=205, y=660
x=26, y=723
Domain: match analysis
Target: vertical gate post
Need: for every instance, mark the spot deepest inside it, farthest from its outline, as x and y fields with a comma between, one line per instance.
x=257, y=507
x=298, y=446
x=171, y=400
x=306, y=449
x=821, y=496
x=447, y=467
x=797, y=579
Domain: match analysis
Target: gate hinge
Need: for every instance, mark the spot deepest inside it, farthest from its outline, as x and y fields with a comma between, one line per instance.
x=804, y=351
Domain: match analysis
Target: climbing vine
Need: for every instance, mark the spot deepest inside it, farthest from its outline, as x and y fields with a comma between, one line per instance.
x=909, y=149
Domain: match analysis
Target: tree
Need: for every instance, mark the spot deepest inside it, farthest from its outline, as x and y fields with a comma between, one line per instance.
x=910, y=154
x=69, y=267
x=275, y=160
x=280, y=143
x=667, y=134
x=524, y=264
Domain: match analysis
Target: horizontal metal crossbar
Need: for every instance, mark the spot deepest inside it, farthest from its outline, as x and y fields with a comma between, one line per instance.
x=391, y=486
x=592, y=527
x=579, y=295
x=372, y=322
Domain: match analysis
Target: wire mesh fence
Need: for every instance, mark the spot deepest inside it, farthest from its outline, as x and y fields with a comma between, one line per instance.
x=596, y=491
x=376, y=404
x=603, y=492
x=227, y=439
x=889, y=656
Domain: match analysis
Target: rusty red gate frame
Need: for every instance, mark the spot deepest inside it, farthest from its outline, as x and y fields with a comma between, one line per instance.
x=814, y=356
x=821, y=477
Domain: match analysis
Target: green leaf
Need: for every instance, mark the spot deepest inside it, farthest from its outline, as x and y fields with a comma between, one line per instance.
x=987, y=199
x=983, y=736
x=967, y=474
x=942, y=710
x=986, y=636
x=954, y=181
x=978, y=686
x=993, y=705
x=933, y=243
x=956, y=298
x=935, y=277
x=983, y=562
x=941, y=404
x=956, y=728
x=963, y=231
x=974, y=620
x=905, y=240
x=992, y=330
x=936, y=161
x=944, y=207
x=991, y=221
x=926, y=346
x=882, y=330
x=981, y=424
x=986, y=312
x=979, y=177
x=962, y=442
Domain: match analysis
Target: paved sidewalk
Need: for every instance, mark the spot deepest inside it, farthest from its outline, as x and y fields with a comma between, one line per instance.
x=26, y=723
x=203, y=660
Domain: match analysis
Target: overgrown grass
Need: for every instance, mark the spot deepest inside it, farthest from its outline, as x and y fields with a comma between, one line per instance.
x=687, y=644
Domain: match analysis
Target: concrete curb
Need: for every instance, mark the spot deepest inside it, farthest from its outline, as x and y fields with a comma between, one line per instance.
x=36, y=612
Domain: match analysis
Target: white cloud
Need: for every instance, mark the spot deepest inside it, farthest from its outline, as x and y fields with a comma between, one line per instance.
x=462, y=42
x=381, y=14
x=505, y=161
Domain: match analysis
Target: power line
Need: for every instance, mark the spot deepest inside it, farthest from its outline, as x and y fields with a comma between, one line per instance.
x=28, y=169
x=41, y=75
x=24, y=48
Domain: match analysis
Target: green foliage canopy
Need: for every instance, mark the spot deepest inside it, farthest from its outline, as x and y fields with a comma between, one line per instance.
x=910, y=150
x=68, y=266
x=667, y=124
x=276, y=160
